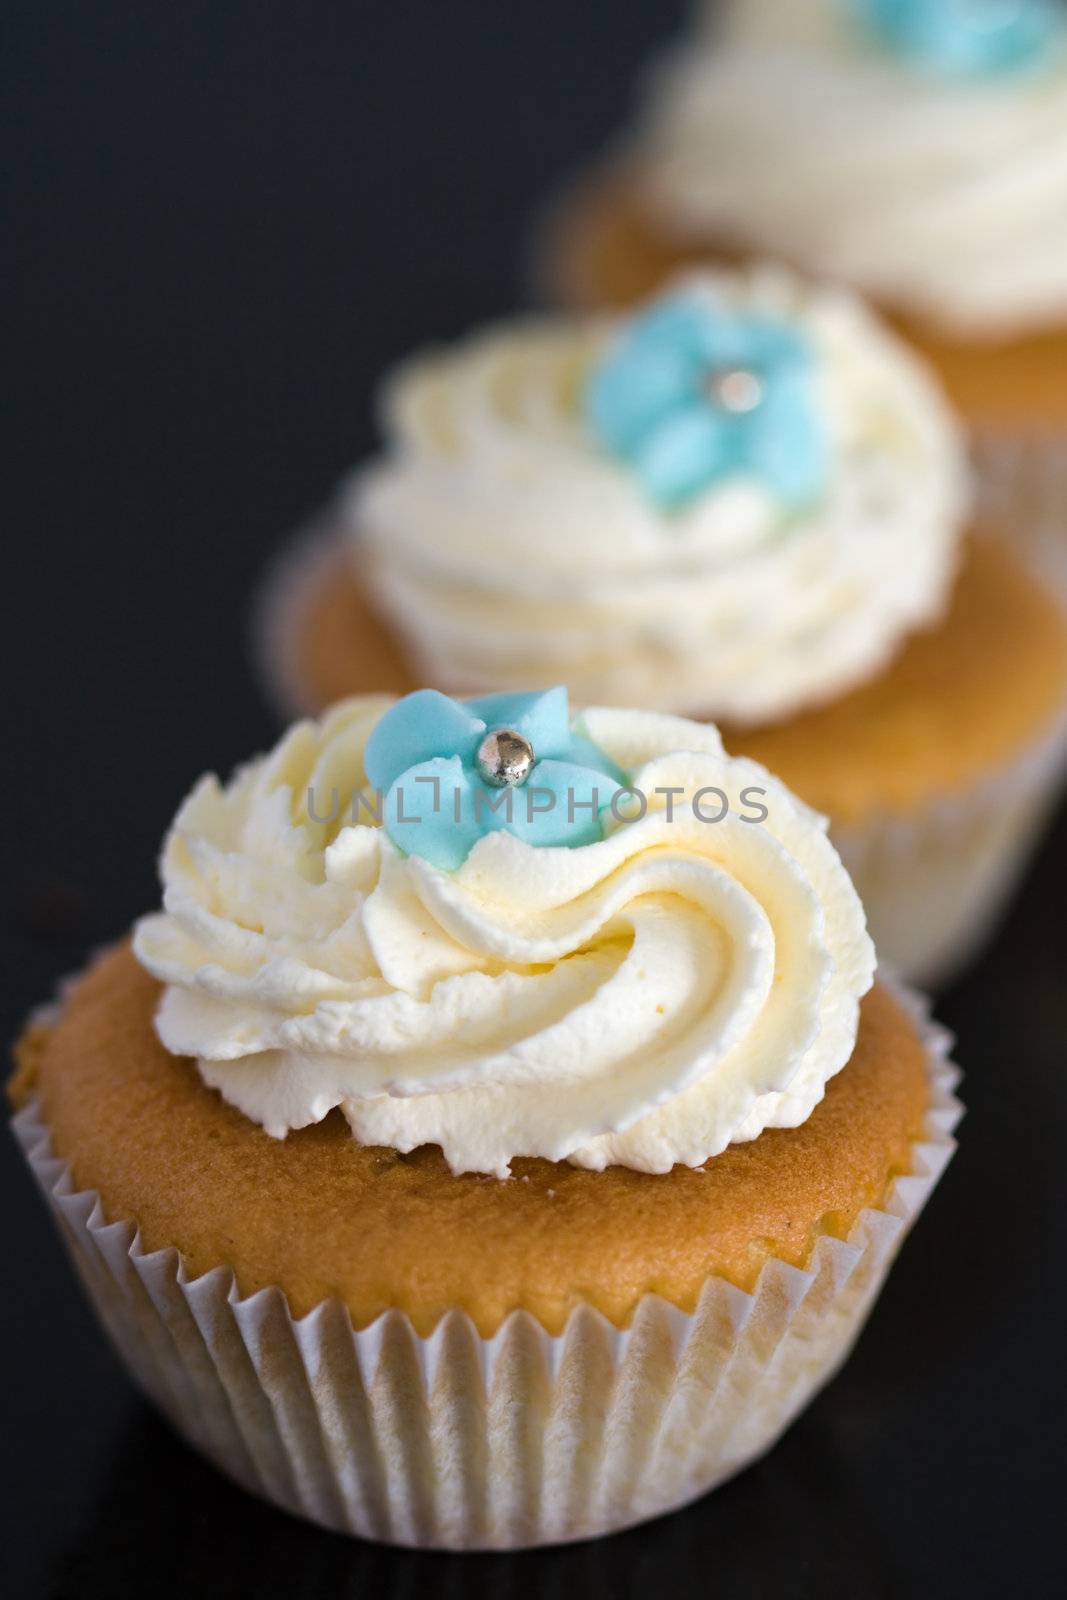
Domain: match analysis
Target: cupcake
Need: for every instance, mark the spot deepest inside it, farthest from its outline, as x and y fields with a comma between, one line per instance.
x=915, y=150
x=747, y=503
x=499, y=1134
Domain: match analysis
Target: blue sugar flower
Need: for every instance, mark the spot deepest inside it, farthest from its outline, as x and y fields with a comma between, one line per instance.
x=453, y=770
x=693, y=392
x=967, y=38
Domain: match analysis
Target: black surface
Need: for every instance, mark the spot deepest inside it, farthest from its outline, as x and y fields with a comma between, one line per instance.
x=226, y=219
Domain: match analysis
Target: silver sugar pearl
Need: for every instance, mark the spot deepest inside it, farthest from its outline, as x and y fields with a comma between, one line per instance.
x=735, y=389
x=505, y=758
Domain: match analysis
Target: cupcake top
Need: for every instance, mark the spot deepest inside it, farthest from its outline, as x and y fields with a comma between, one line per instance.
x=734, y=504
x=509, y=931
x=916, y=149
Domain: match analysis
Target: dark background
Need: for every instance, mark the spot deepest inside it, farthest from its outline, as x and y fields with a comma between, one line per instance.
x=225, y=218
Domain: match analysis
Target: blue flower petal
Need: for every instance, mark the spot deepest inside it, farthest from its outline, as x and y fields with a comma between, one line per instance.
x=633, y=391
x=969, y=40
x=584, y=753
x=787, y=446
x=774, y=345
x=673, y=322
x=542, y=718
x=688, y=451
x=726, y=342
x=422, y=725
x=561, y=805
x=433, y=810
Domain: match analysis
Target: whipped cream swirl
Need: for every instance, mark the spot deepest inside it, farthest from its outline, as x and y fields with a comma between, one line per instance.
x=788, y=129
x=508, y=547
x=644, y=1000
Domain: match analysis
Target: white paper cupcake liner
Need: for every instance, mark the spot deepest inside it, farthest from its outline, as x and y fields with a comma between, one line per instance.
x=934, y=883
x=460, y=1442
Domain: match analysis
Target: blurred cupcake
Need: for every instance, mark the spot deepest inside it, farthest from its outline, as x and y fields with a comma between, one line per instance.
x=745, y=504
x=913, y=149
x=488, y=1174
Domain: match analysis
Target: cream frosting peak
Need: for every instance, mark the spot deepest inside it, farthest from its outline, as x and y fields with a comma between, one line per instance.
x=785, y=130
x=508, y=546
x=645, y=1000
